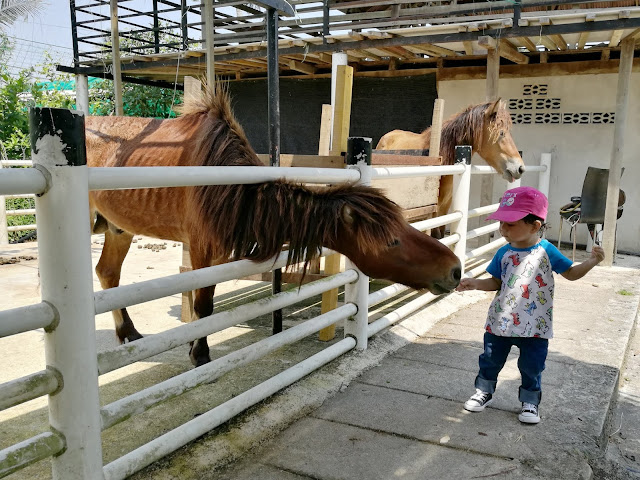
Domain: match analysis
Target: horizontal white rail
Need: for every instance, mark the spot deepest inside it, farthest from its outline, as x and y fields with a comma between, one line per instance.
x=405, y=172
x=20, y=228
x=127, y=295
x=494, y=245
x=180, y=436
x=476, y=232
x=25, y=453
x=143, y=400
x=476, y=212
x=437, y=221
x=485, y=169
x=16, y=163
x=118, y=178
x=24, y=319
x=17, y=181
x=26, y=195
x=26, y=211
x=27, y=388
x=122, y=355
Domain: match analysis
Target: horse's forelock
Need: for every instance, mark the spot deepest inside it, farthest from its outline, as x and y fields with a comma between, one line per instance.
x=501, y=121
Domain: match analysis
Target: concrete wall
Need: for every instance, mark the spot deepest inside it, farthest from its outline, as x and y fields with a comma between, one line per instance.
x=583, y=140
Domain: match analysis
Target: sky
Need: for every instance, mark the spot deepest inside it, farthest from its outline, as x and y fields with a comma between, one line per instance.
x=48, y=31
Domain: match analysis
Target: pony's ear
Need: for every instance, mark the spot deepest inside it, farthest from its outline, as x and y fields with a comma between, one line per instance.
x=347, y=215
x=493, y=108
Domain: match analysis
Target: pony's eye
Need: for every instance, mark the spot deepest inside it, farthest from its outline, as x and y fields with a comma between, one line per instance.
x=394, y=243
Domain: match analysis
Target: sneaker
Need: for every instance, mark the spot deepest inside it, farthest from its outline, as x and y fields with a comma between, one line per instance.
x=478, y=401
x=529, y=413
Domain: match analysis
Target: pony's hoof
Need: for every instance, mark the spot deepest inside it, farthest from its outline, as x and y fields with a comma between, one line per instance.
x=133, y=337
x=200, y=361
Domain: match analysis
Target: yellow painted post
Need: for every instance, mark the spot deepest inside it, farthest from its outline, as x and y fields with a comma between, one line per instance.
x=192, y=88
x=340, y=134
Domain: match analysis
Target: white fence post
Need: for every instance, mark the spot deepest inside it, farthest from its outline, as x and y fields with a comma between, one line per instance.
x=58, y=146
x=460, y=201
x=544, y=177
x=358, y=157
x=4, y=231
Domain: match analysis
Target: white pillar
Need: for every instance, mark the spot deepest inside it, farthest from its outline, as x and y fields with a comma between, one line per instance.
x=4, y=231
x=460, y=202
x=82, y=94
x=64, y=250
x=358, y=157
x=544, y=177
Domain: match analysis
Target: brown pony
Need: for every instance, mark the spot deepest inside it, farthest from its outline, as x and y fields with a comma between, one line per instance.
x=222, y=223
x=486, y=127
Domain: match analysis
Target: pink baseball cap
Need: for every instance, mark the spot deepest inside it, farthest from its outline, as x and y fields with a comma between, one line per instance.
x=519, y=202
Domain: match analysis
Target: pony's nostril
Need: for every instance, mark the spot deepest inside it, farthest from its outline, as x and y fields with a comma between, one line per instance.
x=521, y=169
x=456, y=273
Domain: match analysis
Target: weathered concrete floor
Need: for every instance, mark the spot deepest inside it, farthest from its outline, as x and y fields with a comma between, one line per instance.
x=402, y=418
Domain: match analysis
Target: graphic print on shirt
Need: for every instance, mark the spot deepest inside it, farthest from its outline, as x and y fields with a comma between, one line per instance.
x=523, y=306
x=530, y=307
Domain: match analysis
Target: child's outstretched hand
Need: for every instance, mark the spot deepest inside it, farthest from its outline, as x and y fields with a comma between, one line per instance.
x=597, y=253
x=466, y=284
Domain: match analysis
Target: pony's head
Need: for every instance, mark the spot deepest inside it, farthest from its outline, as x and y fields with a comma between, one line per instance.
x=376, y=237
x=497, y=147
x=487, y=127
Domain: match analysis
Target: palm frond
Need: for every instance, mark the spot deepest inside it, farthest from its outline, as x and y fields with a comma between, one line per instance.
x=12, y=10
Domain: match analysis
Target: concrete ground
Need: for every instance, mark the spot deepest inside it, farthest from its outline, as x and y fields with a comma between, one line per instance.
x=393, y=411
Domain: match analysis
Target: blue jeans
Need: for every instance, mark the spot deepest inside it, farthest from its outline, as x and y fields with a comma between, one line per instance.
x=533, y=353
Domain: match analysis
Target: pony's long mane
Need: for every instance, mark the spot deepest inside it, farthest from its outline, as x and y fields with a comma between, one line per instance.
x=254, y=221
x=465, y=128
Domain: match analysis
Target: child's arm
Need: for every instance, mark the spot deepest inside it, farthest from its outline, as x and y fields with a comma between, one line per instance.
x=486, y=284
x=578, y=271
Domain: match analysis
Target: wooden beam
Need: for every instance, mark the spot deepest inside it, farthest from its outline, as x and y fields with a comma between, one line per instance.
x=582, y=40
x=617, y=152
x=507, y=51
x=615, y=38
x=605, y=55
x=526, y=41
x=548, y=43
x=302, y=67
x=468, y=47
x=311, y=161
x=487, y=42
x=635, y=34
x=559, y=41
x=445, y=52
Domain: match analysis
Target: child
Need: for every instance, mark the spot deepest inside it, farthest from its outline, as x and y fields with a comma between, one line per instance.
x=521, y=313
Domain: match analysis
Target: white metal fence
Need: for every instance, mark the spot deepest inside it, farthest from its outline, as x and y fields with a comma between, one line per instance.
x=68, y=303
x=4, y=213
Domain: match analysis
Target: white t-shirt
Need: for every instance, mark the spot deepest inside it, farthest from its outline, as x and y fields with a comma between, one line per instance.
x=523, y=307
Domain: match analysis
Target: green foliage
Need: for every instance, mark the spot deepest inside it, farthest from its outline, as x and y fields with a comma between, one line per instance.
x=43, y=86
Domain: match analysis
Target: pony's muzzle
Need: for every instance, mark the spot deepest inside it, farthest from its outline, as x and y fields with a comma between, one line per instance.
x=449, y=284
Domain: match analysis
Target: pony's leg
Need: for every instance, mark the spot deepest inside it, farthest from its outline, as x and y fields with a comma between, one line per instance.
x=444, y=202
x=202, y=307
x=116, y=246
x=202, y=300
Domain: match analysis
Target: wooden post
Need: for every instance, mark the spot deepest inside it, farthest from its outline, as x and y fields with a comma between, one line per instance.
x=436, y=127
x=208, y=31
x=115, y=53
x=615, y=167
x=323, y=149
x=192, y=88
x=493, y=74
x=340, y=134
